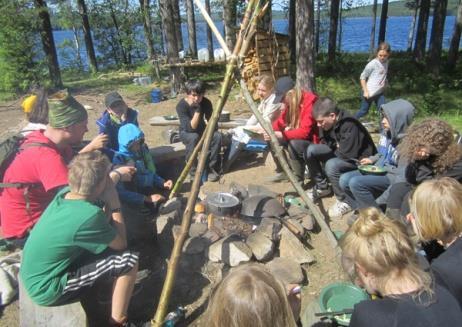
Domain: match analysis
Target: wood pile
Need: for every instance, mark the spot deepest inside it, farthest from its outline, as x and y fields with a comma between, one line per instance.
x=268, y=55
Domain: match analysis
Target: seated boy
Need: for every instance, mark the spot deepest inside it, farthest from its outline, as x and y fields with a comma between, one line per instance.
x=343, y=142
x=75, y=243
x=134, y=152
x=117, y=114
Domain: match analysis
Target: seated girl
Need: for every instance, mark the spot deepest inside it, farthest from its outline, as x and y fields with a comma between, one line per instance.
x=431, y=152
x=134, y=152
x=250, y=296
x=382, y=255
x=436, y=214
x=363, y=190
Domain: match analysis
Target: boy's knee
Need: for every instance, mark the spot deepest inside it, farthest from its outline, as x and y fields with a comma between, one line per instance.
x=331, y=167
x=355, y=184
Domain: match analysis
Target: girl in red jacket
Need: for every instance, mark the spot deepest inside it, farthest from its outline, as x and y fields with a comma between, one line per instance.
x=295, y=128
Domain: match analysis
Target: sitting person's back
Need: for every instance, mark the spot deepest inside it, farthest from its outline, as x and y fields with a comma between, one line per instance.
x=381, y=254
x=134, y=152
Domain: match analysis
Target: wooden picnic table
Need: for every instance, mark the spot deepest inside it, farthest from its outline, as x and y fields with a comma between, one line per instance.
x=162, y=121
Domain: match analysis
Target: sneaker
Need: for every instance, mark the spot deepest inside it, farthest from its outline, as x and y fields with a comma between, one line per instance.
x=351, y=220
x=213, y=176
x=277, y=178
x=315, y=193
x=338, y=209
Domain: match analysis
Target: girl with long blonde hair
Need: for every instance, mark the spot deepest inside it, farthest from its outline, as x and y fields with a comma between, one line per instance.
x=249, y=296
x=382, y=255
x=436, y=214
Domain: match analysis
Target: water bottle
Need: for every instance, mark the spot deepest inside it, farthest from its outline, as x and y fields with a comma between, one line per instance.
x=173, y=317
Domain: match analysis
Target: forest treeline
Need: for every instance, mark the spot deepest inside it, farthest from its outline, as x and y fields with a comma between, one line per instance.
x=123, y=33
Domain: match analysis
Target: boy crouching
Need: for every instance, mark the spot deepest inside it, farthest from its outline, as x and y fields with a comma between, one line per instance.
x=76, y=243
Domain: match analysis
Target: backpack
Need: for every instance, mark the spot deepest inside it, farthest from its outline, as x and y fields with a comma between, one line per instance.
x=8, y=150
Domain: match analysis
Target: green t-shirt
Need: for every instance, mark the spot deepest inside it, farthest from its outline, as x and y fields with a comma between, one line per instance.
x=66, y=230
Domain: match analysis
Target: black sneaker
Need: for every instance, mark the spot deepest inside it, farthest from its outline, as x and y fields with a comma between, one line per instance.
x=316, y=193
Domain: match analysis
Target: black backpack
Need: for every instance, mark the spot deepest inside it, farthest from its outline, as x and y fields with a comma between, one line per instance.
x=8, y=150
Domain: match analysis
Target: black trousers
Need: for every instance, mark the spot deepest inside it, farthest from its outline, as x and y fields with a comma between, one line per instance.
x=190, y=140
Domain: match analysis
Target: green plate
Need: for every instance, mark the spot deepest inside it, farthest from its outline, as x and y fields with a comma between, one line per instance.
x=341, y=296
x=170, y=117
x=371, y=170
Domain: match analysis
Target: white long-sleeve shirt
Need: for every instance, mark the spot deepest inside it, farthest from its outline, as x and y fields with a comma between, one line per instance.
x=375, y=75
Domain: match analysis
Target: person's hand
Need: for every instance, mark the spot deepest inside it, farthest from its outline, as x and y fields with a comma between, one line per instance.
x=110, y=196
x=98, y=142
x=366, y=94
x=126, y=173
x=197, y=109
x=168, y=184
x=278, y=134
x=422, y=154
x=294, y=298
x=154, y=198
x=365, y=161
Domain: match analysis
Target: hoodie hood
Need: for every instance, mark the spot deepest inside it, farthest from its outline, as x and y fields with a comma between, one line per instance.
x=128, y=133
x=399, y=114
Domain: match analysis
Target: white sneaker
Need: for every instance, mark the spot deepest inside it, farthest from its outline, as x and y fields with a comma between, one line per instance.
x=338, y=209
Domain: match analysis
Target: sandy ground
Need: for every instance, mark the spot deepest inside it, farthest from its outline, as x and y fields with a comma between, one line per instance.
x=195, y=277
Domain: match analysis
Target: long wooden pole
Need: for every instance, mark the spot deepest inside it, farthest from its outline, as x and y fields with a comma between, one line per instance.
x=320, y=219
x=293, y=180
x=187, y=168
x=187, y=215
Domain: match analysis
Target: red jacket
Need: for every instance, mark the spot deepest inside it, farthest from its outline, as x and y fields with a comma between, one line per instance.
x=308, y=129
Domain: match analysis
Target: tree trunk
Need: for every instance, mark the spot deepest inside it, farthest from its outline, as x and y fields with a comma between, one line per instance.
x=146, y=16
x=422, y=25
x=191, y=28
x=374, y=23
x=115, y=22
x=87, y=35
x=48, y=43
x=177, y=20
x=318, y=25
x=168, y=22
x=340, y=28
x=75, y=32
x=455, y=40
x=410, y=37
x=305, y=44
x=229, y=18
x=436, y=38
x=334, y=9
x=209, y=33
x=292, y=33
x=383, y=21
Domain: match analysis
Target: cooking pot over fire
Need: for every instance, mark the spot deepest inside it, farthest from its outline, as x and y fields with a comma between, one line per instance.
x=222, y=204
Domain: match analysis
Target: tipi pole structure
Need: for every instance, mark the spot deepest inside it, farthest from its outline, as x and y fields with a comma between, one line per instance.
x=187, y=215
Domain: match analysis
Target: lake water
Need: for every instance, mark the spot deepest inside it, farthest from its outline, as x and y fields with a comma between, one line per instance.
x=355, y=34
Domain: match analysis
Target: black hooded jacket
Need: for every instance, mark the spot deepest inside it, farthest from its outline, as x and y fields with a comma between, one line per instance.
x=348, y=138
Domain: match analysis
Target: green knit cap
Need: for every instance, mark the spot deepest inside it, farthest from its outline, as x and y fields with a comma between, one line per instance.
x=64, y=110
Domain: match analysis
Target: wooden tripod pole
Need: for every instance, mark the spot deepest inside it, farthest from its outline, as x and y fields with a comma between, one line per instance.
x=187, y=215
x=279, y=155
x=187, y=168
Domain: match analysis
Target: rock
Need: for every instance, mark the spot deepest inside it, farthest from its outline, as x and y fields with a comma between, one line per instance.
x=211, y=236
x=162, y=221
x=291, y=247
x=303, y=216
x=171, y=205
x=262, y=247
x=270, y=227
x=194, y=245
x=197, y=229
x=286, y=270
x=230, y=250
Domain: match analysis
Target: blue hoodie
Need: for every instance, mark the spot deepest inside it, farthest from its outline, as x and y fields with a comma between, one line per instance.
x=145, y=176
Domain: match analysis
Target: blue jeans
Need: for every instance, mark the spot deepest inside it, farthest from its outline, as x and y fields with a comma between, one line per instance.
x=362, y=190
x=334, y=168
x=379, y=99
x=315, y=155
